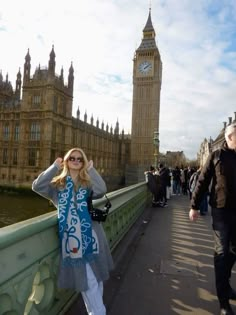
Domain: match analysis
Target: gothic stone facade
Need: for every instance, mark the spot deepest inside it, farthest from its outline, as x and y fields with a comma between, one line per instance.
x=39, y=127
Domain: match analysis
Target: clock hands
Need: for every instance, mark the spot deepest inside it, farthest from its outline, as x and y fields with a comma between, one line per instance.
x=145, y=67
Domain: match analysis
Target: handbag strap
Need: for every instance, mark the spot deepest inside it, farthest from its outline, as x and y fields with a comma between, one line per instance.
x=107, y=205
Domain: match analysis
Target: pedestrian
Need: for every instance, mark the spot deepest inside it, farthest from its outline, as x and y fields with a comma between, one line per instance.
x=184, y=180
x=153, y=182
x=85, y=258
x=176, y=173
x=220, y=171
x=165, y=179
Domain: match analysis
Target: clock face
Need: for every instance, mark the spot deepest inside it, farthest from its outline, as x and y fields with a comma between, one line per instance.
x=144, y=67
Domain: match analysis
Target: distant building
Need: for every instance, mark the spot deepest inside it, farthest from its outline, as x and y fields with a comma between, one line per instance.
x=175, y=158
x=205, y=150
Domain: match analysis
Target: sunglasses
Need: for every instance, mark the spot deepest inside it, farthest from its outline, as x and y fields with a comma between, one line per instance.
x=72, y=159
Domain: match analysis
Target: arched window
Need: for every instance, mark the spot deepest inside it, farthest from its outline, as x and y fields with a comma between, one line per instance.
x=35, y=131
x=17, y=132
x=15, y=157
x=4, y=156
x=6, y=132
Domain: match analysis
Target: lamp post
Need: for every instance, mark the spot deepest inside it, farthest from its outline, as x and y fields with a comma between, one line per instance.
x=156, y=142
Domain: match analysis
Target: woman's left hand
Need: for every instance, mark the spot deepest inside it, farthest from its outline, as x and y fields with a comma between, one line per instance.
x=90, y=165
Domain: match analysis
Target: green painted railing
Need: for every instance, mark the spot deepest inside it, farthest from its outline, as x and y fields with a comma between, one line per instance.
x=29, y=255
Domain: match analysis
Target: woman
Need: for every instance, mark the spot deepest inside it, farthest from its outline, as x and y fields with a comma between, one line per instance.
x=85, y=255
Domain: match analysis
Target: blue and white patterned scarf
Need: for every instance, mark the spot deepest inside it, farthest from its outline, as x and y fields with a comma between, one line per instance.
x=78, y=240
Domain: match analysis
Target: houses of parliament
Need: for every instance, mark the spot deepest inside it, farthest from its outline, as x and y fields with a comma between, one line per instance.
x=37, y=125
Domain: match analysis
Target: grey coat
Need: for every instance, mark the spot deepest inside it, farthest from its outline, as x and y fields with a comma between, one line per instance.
x=75, y=277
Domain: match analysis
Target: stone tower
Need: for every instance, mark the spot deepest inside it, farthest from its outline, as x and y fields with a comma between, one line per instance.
x=147, y=75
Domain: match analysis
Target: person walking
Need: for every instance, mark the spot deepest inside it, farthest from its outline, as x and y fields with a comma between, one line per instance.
x=85, y=258
x=220, y=171
x=153, y=182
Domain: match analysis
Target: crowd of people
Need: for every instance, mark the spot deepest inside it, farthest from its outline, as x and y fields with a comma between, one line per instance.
x=164, y=182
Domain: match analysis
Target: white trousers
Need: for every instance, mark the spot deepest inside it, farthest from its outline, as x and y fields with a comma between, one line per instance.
x=93, y=297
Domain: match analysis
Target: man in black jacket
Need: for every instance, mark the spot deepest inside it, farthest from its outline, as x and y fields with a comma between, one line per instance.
x=220, y=171
x=165, y=181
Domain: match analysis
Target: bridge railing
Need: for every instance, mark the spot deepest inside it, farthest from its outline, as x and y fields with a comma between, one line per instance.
x=29, y=255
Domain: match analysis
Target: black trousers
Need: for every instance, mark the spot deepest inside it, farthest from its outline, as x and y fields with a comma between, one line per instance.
x=163, y=193
x=224, y=228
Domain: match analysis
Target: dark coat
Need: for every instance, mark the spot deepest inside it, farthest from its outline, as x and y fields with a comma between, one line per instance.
x=176, y=175
x=153, y=183
x=221, y=174
x=164, y=176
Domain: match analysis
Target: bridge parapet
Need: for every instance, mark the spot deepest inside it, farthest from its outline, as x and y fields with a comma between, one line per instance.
x=29, y=255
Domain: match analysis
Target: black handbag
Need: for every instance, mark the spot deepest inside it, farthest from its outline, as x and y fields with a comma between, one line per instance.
x=98, y=214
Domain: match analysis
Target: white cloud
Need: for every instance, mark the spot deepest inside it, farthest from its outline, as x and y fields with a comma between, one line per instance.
x=195, y=40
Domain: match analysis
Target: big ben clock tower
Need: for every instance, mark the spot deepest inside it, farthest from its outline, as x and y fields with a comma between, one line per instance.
x=147, y=70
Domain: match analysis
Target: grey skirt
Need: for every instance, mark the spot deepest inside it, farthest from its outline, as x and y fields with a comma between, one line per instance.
x=75, y=277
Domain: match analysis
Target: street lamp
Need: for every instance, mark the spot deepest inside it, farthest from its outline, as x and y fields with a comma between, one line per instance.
x=156, y=142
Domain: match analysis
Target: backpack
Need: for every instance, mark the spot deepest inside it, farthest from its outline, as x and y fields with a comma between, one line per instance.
x=193, y=181
x=194, y=178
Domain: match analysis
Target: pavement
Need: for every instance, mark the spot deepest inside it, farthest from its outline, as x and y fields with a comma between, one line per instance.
x=164, y=266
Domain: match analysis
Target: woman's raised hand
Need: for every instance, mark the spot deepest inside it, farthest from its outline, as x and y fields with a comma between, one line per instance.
x=59, y=162
x=90, y=165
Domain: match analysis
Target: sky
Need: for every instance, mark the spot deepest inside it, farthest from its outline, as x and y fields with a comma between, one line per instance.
x=196, y=41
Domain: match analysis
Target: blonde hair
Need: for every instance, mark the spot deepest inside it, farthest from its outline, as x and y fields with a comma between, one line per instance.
x=83, y=176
